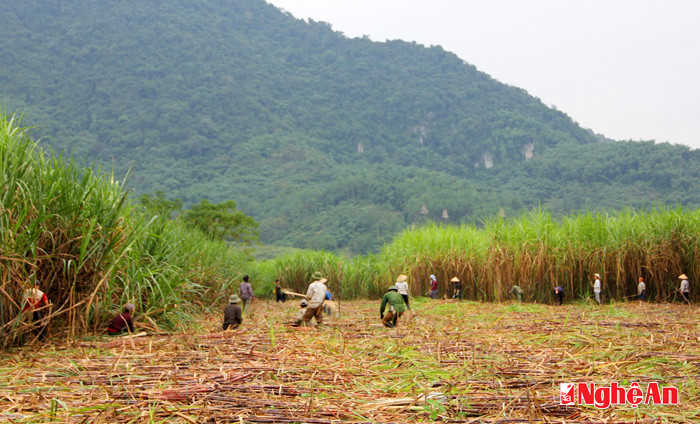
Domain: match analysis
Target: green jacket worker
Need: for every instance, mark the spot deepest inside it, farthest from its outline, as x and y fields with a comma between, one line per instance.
x=397, y=307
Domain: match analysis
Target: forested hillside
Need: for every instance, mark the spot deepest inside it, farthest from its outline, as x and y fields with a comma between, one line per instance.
x=328, y=142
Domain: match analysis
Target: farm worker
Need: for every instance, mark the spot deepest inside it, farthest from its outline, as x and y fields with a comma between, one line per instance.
x=246, y=293
x=457, y=291
x=641, y=289
x=559, y=295
x=396, y=307
x=517, y=292
x=402, y=287
x=302, y=312
x=233, y=316
x=279, y=293
x=596, y=288
x=35, y=300
x=685, y=288
x=326, y=306
x=122, y=322
x=433, y=287
x=316, y=295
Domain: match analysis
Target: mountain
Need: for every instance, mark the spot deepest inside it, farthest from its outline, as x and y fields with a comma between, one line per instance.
x=328, y=142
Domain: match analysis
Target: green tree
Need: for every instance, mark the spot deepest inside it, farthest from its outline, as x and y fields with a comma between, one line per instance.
x=222, y=221
x=157, y=204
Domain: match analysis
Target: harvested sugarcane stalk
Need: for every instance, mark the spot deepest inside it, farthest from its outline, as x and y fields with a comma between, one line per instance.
x=456, y=363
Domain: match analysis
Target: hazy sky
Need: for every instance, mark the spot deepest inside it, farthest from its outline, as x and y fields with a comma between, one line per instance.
x=627, y=69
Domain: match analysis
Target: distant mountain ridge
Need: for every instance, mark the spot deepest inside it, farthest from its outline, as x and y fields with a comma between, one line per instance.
x=328, y=142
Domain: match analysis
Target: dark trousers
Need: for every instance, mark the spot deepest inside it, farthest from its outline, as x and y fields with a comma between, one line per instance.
x=39, y=327
x=281, y=297
x=405, y=300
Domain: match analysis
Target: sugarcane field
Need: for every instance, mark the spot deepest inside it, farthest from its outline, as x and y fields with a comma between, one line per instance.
x=444, y=361
x=111, y=312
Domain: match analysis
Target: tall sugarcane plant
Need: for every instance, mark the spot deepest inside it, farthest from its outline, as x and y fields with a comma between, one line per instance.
x=59, y=224
x=537, y=253
x=73, y=228
x=534, y=251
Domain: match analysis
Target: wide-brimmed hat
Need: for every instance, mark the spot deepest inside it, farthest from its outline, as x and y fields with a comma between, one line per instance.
x=317, y=275
x=596, y=275
x=432, y=277
x=401, y=278
x=455, y=280
x=392, y=288
x=234, y=299
x=683, y=277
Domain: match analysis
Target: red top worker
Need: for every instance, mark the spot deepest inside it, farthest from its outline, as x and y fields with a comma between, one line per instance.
x=34, y=301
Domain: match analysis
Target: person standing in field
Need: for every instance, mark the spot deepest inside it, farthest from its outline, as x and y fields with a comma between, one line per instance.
x=597, y=288
x=34, y=301
x=402, y=287
x=517, y=292
x=279, y=293
x=685, y=288
x=559, y=295
x=457, y=288
x=246, y=293
x=122, y=323
x=641, y=289
x=233, y=316
x=316, y=295
x=397, y=307
x=433, y=293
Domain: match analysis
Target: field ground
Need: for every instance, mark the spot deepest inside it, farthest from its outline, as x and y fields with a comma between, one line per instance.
x=445, y=362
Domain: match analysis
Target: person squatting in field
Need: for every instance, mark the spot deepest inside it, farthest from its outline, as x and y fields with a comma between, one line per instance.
x=597, y=288
x=402, y=288
x=517, y=292
x=233, y=315
x=685, y=288
x=122, y=323
x=316, y=295
x=397, y=307
x=34, y=301
x=558, y=295
x=328, y=302
x=433, y=293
